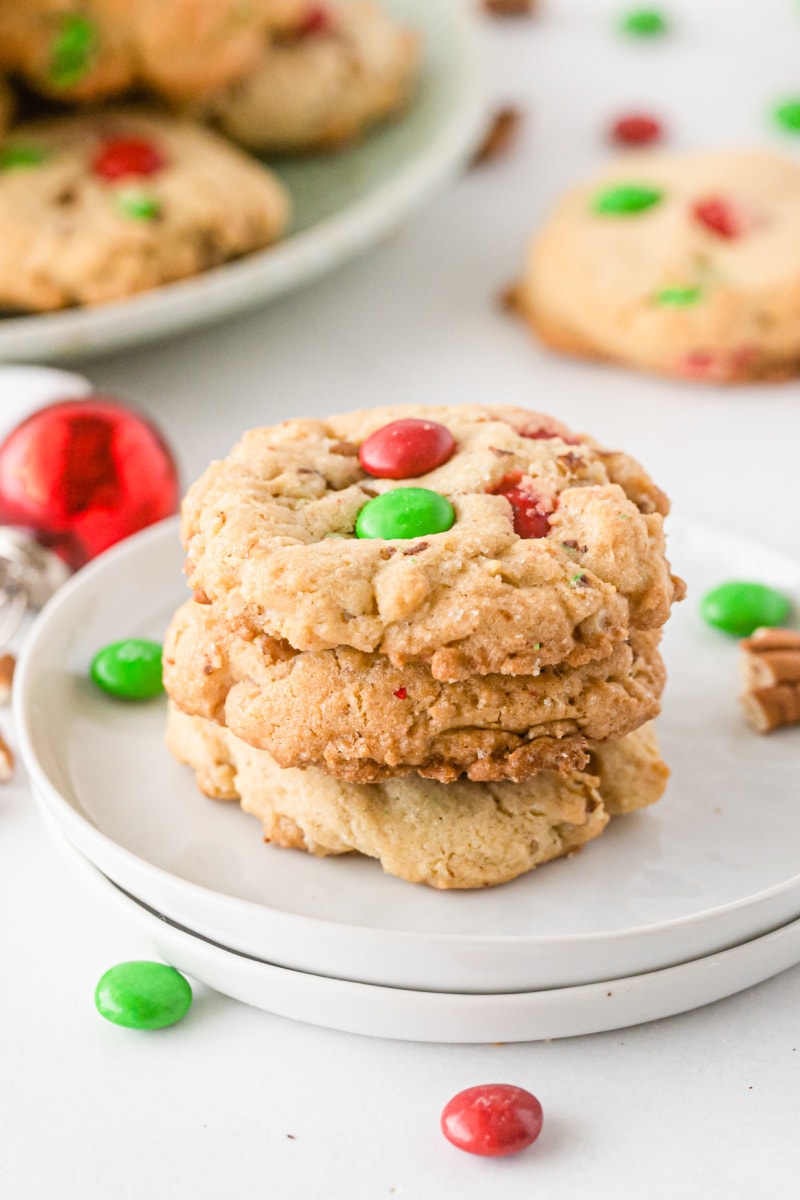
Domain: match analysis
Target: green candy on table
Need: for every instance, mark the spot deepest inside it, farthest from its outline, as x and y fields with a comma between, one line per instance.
x=72, y=51
x=130, y=669
x=740, y=608
x=678, y=297
x=405, y=513
x=143, y=995
x=644, y=22
x=626, y=199
x=787, y=115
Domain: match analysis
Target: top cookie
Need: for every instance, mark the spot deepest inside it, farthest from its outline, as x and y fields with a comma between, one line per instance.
x=686, y=265
x=90, y=49
x=554, y=554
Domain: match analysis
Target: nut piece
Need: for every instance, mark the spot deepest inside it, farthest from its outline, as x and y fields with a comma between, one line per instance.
x=771, y=673
x=7, y=664
x=510, y=8
x=6, y=761
x=499, y=136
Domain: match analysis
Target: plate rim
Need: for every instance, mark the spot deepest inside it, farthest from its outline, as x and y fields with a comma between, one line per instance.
x=63, y=811
x=238, y=286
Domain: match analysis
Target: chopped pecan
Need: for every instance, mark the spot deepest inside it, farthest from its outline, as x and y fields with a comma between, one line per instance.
x=771, y=673
x=510, y=8
x=7, y=664
x=499, y=136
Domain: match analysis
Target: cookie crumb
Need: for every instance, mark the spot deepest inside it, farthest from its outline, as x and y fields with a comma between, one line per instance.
x=509, y=8
x=7, y=665
x=499, y=137
x=6, y=761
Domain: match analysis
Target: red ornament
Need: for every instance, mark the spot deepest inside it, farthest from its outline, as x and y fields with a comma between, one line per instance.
x=719, y=216
x=83, y=474
x=492, y=1120
x=122, y=157
x=636, y=130
x=406, y=449
x=530, y=521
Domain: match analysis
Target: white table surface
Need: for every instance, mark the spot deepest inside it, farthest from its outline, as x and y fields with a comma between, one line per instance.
x=702, y=1105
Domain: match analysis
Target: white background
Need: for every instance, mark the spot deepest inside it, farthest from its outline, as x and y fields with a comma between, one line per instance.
x=704, y=1105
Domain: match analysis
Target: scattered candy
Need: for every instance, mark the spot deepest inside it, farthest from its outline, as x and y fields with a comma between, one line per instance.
x=625, y=199
x=718, y=216
x=644, y=22
x=406, y=449
x=636, y=130
x=493, y=1120
x=405, y=513
x=787, y=115
x=14, y=157
x=139, y=206
x=143, y=995
x=127, y=156
x=72, y=50
x=83, y=474
x=740, y=608
x=678, y=297
x=129, y=670
x=529, y=519
x=401, y=693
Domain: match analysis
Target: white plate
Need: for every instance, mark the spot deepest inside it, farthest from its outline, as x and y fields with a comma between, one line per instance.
x=448, y=1017
x=712, y=865
x=343, y=203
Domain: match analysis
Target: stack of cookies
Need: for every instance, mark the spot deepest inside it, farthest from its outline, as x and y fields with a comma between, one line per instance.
x=429, y=635
x=100, y=203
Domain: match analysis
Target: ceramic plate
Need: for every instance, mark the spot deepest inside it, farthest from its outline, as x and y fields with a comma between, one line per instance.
x=343, y=203
x=448, y=1017
x=712, y=865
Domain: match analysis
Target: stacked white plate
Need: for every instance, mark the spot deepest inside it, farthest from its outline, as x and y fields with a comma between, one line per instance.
x=673, y=907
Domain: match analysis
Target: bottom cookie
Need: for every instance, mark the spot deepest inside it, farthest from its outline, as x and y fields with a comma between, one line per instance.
x=456, y=835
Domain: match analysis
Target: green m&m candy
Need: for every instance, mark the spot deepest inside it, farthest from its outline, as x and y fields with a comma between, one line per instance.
x=72, y=50
x=644, y=22
x=130, y=670
x=138, y=204
x=625, y=199
x=740, y=608
x=678, y=297
x=143, y=995
x=14, y=157
x=405, y=513
x=787, y=115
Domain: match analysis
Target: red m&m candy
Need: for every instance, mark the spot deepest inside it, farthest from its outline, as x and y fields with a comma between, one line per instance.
x=530, y=521
x=719, y=216
x=492, y=1120
x=636, y=130
x=122, y=157
x=406, y=449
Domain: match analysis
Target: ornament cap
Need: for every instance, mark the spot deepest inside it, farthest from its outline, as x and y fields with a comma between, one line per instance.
x=29, y=575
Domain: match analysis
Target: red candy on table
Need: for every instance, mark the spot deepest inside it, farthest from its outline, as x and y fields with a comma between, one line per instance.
x=719, y=216
x=492, y=1120
x=636, y=130
x=121, y=157
x=83, y=474
x=406, y=449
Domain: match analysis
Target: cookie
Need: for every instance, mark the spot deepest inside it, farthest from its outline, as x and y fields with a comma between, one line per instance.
x=459, y=835
x=103, y=206
x=325, y=86
x=686, y=265
x=86, y=50
x=269, y=537
x=358, y=717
